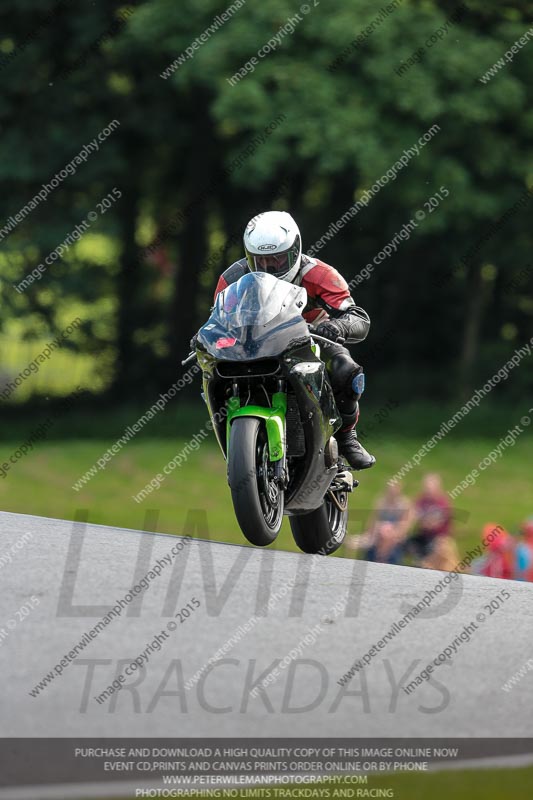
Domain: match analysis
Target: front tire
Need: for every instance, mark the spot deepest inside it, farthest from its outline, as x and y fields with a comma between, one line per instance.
x=323, y=530
x=257, y=499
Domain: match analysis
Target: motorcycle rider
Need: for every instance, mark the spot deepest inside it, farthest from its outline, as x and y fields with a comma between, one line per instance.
x=272, y=244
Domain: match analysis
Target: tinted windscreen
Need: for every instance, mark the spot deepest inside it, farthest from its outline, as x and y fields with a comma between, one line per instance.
x=262, y=314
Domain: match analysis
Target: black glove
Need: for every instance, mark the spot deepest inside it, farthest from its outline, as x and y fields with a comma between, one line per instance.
x=331, y=329
x=193, y=343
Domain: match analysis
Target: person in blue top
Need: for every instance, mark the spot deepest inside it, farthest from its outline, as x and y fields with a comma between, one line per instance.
x=524, y=552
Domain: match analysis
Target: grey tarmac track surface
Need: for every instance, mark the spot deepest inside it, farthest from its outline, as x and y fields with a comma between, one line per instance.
x=463, y=699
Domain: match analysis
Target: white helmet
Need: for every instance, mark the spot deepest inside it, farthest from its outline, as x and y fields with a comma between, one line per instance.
x=273, y=244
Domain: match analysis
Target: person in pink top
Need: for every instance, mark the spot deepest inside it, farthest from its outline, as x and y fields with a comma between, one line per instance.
x=433, y=515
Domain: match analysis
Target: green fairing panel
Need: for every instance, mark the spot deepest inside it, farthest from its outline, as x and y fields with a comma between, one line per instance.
x=274, y=421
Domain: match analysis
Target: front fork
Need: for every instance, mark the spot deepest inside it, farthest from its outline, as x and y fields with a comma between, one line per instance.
x=275, y=424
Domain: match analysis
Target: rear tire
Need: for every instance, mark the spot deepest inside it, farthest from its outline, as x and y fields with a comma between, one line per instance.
x=257, y=500
x=320, y=531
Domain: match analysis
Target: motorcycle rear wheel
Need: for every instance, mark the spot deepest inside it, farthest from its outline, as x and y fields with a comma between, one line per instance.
x=321, y=531
x=257, y=500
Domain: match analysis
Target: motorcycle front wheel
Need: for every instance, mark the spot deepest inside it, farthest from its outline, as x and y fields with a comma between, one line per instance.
x=323, y=530
x=257, y=499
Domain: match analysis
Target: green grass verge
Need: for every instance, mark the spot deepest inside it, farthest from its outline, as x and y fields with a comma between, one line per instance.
x=41, y=482
x=489, y=784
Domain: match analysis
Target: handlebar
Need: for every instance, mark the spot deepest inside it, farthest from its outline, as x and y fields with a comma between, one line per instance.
x=188, y=360
x=325, y=339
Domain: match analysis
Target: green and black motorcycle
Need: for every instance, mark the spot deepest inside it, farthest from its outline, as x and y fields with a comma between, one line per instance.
x=274, y=414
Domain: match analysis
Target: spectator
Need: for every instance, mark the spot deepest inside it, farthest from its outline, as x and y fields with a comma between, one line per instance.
x=387, y=544
x=433, y=514
x=499, y=561
x=443, y=556
x=389, y=524
x=524, y=553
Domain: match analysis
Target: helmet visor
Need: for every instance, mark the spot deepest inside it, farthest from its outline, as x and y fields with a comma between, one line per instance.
x=276, y=264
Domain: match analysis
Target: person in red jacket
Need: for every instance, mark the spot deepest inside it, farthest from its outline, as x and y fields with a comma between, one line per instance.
x=272, y=244
x=499, y=561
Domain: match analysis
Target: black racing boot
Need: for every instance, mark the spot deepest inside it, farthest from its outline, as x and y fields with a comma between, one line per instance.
x=353, y=451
